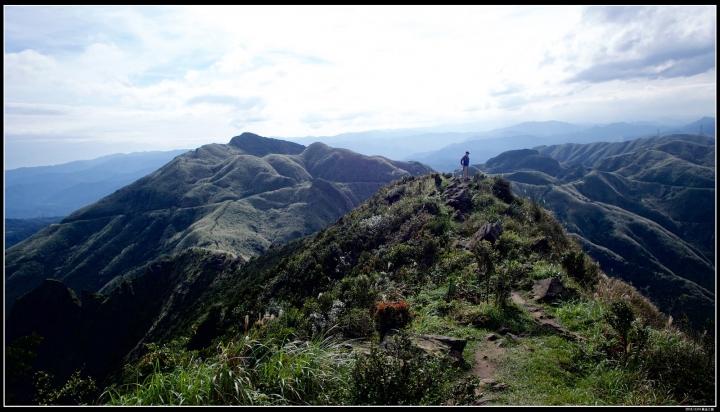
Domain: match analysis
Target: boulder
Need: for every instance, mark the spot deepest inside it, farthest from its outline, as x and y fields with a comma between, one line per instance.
x=548, y=289
x=490, y=232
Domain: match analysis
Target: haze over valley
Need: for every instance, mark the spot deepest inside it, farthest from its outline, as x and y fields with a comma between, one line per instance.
x=265, y=205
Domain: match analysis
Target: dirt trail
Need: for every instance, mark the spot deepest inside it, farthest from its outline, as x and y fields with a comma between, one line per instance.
x=494, y=352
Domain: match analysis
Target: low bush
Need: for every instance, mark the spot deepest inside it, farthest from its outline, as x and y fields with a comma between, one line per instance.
x=391, y=315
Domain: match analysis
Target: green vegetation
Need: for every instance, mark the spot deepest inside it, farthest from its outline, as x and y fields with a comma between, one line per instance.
x=626, y=358
x=331, y=319
x=644, y=209
x=17, y=230
x=238, y=198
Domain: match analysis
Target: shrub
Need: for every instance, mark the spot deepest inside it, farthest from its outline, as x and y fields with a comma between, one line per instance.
x=76, y=391
x=439, y=226
x=501, y=189
x=581, y=268
x=19, y=357
x=392, y=315
x=402, y=375
x=357, y=323
x=510, y=245
x=621, y=318
x=358, y=291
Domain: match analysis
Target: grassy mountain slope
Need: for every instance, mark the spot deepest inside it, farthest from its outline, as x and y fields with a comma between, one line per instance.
x=241, y=198
x=644, y=209
x=428, y=255
x=488, y=145
x=32, y=192
x=17, y=230
x=588, y=154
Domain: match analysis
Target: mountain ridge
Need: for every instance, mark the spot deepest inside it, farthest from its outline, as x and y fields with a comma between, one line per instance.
x=203, y=198
x=628, y=204
x=493, y=143
x=458, y=254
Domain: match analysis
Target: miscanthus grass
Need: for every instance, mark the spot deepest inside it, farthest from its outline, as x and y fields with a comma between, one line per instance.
x=247, y=372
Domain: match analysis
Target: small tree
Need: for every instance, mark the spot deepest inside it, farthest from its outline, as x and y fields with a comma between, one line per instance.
x=621, y=317
x=485, y=256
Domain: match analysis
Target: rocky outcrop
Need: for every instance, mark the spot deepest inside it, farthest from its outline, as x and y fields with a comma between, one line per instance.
x=549, y=289
x=432, y=345
x=459, y=198
x=490, y=232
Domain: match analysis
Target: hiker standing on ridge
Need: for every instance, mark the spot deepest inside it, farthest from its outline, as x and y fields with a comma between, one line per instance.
x=465, y=162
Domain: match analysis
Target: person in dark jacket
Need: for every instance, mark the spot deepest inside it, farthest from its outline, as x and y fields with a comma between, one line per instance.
x=465, y=162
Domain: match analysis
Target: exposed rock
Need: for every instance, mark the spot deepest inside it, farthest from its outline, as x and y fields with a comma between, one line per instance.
x=511, y=337
x=492, y=384
x=437, y=344
x=556, y=329
x=460, y=199
x=483, y=401
x=548, y=289
x=541, y=246
x=490, y=232
x=432, y=345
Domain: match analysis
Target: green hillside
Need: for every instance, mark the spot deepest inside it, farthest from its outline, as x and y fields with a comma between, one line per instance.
x=240, y=198
x=644, y=209
x=433, y=291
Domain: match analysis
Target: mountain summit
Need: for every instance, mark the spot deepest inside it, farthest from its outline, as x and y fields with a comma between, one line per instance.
x=240, y=198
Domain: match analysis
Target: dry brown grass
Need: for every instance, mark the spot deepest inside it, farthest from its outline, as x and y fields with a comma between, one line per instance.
x=608, y=290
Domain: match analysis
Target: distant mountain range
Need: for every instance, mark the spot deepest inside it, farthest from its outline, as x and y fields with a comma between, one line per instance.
x=483, y=146
x=57, y=191
x=644, y=209
x=241, y=198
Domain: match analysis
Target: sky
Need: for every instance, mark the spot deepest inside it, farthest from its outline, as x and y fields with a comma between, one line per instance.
x=86, y=81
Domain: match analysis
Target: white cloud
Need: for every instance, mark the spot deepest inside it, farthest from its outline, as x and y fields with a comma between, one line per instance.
x=159, y=76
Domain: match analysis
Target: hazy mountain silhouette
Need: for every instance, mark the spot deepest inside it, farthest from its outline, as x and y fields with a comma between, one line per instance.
x=45, y=191
x=531, y=134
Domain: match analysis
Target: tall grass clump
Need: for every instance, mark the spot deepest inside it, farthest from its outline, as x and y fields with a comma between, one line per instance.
x=245, y=371
x=630, y=356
